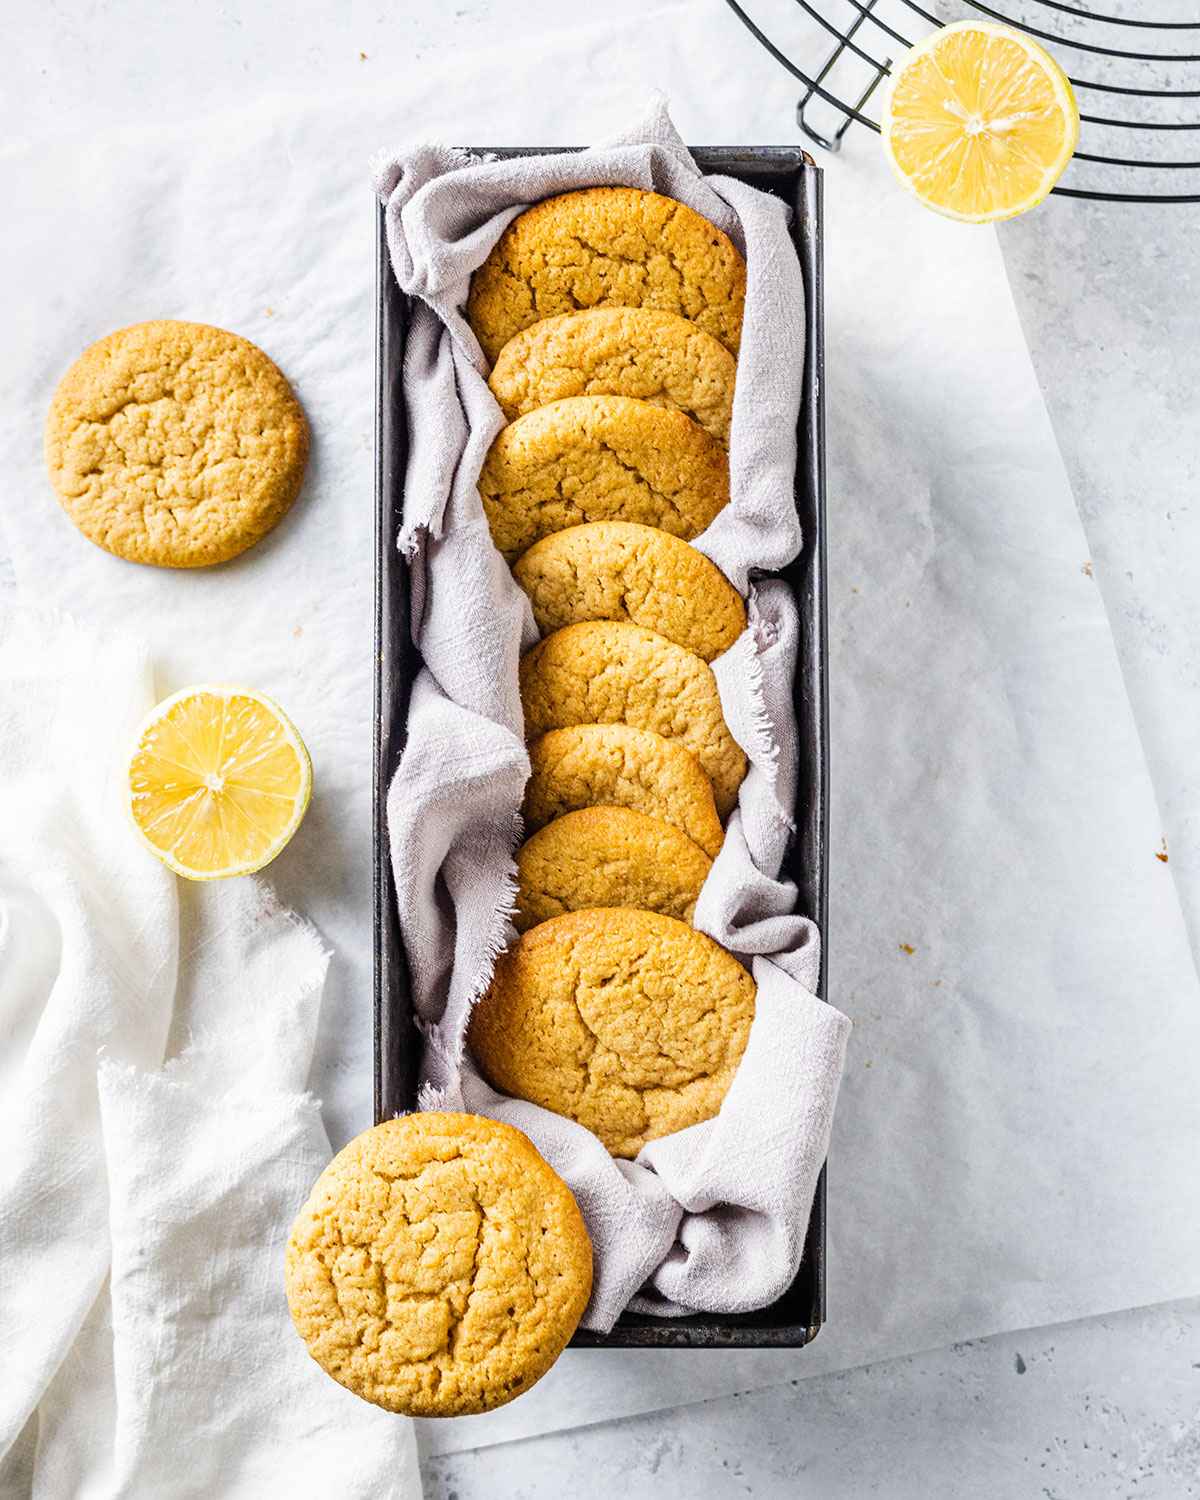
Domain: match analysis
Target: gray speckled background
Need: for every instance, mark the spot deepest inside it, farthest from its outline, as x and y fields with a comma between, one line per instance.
x=1109, y=298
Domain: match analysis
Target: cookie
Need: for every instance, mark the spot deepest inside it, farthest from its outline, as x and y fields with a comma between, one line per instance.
x=439, y=1266
x=600, y=458
x=629, y=1022
x=618, y=570
x=619, y=351
x=608, y=856
x=615, y=765
x=608, y=247
x=607, y=672
x=175, y=444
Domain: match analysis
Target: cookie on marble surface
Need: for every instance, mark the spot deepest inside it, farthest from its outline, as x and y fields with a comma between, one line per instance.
x=439, y=1267
x=608, y=672
x=608, y=856
x=630, y=1022
x=616, y=765
x=600, y=458
x=608, y=247
x=618, y=570
x=175, y=444
x=619, y=351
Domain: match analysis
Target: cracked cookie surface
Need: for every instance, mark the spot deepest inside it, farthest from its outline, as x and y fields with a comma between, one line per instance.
x=439, y=1266
x=598, y=458
x=608, y=247
x=605, y=672
x=175, y=444
x=619, y=351
x=616, y=765
x=629, y=1022
x=618, y=570
x=607, y=856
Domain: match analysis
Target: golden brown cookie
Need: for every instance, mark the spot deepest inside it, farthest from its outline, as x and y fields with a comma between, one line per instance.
x=608, y=856
x=615, y=765
x=175, y=444
x=628, y=1021
x=600, y=458
x=618, y=570
x=606, y=672
x=619, y=351
x=608, y=247
x=439, y=1266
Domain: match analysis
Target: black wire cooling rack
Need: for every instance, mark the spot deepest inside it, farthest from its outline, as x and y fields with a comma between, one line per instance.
x=1142, y=100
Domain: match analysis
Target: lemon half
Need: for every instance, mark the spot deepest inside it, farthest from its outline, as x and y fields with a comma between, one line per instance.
x=979, y=122
x=218, y=782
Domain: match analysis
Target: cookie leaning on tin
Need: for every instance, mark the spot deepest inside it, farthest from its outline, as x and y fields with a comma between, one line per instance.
x=600, y=458
x=175, y=444
x=618, y=570
x=607, y=856
x=439, y=1267
x=616, y=765
x=608, y=247
x=629, y=1022
x=606, y=672
x=619, y=351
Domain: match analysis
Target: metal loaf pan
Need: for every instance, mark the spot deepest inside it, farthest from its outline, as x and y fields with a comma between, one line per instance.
x=789, y=173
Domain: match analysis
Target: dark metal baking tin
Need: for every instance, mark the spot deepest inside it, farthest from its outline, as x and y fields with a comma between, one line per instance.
x=790, y=174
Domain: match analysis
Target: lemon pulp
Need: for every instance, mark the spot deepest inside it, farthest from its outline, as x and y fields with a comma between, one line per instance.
x=218, y=782
x=979, y=121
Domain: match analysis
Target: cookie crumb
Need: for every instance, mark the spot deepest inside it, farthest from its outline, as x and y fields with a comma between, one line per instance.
x=1086, y=570
x=907, y=948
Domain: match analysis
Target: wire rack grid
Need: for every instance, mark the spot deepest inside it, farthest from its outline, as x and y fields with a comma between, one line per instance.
x=1143, y=100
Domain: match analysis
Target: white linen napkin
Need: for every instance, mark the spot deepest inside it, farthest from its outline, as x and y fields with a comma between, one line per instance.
x=179, y=1182
x=89, y=943
x=715, y=1220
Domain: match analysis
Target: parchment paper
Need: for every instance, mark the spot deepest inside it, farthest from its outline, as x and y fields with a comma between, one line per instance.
x=1015, y=1142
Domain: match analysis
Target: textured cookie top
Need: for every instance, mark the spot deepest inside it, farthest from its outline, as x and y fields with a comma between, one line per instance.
x=608, y=247
x=439, y=1266
x=175, y=444
x=628, y=1021
x=615, y=765
x=608, y=856
x=600, y=458
x=619, y=351
x=605, y=672
x=618, y=570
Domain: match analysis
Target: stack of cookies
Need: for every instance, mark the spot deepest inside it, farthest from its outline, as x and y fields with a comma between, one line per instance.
x=612, y=320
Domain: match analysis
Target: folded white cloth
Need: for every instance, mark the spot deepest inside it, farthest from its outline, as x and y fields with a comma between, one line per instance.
x=178, y=1183
x=453, y=807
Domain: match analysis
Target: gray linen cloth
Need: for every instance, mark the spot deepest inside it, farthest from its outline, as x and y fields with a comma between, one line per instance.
x=711, y=1218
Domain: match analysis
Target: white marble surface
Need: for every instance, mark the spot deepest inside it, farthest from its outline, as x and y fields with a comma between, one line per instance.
x=1108, y=300
x=1102, y=1410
